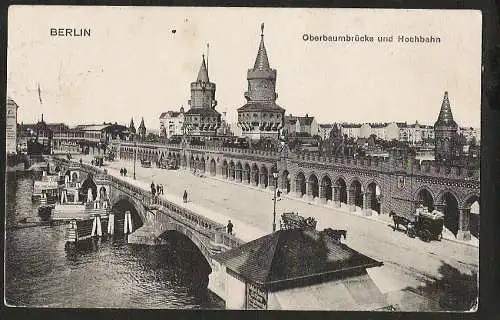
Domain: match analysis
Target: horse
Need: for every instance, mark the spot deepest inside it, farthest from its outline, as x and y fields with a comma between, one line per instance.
x=336, y=234
x=398, y=220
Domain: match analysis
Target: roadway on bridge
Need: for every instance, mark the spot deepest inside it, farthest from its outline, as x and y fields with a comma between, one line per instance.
x=408, y=262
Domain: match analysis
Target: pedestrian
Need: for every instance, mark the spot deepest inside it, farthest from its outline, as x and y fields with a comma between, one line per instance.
x=121, y=171
x=158, y=188
x=81, y=160
x=161, y=188
x=185, y=196
x=153, y=189
x=230, y=227
x=124, y=171
x=92, y=162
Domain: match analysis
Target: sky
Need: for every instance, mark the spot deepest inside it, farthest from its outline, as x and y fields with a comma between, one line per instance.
x=134, y=65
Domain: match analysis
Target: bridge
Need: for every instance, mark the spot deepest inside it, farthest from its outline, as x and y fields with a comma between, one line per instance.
x=405, y=260
x=152, y=217
x=369, y=184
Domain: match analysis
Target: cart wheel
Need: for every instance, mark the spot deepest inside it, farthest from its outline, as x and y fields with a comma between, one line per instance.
x=426, y=236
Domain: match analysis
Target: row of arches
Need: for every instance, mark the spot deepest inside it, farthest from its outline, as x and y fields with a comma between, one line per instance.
x=337, y=190
x=447, y=202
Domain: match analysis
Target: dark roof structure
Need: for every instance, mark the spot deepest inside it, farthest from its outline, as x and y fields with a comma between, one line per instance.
x=171, y=114
x=283, y=257
x=257, y=106
x=261, y=61
x=445, y=117
x=203, y=73
x=203, y=112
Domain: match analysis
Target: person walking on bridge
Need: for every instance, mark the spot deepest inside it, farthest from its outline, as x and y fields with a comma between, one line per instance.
x=185, y=196
x=153, y=188
x=230, y=227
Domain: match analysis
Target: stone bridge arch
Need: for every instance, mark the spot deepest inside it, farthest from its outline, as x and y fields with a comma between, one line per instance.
x=119, y=196
x=373, y=195
x=426, y=197
x=195, y=238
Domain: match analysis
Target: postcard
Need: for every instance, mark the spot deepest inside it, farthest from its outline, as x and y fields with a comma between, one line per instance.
x=243, y=158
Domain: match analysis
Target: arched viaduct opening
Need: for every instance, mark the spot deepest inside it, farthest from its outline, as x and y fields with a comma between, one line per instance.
x=119, y=208
x=342, y=189
x=300, y=184
x=374, y=192
x=451, y=213
x=356, y=194
x=424, y=198
x=472, y=204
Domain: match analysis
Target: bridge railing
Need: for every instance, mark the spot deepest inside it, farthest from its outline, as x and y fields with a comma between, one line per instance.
x=213, y=230
x=210, y=229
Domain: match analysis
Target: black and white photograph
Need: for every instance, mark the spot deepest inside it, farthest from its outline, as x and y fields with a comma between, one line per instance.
x=243, y=158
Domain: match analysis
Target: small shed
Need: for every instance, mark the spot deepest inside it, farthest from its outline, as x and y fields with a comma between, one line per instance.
x=297, y=269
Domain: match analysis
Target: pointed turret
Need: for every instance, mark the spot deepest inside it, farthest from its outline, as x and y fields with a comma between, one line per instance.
x=445, y=133
x=203, y=73
x=131, y=127
x=142, y=129
x=445, y=117
x=261, y=99
x=261, y=61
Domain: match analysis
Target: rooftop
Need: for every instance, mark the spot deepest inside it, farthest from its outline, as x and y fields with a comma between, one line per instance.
x=288, y=255
x=259, y=106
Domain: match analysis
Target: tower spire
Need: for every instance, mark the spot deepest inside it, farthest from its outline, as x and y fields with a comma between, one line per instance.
x=261, y=62
x=203, y=73
x=445, y=115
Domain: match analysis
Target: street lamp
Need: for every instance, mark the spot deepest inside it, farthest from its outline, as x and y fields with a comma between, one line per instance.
x=275, y=176
x=135, y=154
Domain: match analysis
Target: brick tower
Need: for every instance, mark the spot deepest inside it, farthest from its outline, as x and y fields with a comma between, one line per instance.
x=445, y=133
x=261, y=117
x=202, y=119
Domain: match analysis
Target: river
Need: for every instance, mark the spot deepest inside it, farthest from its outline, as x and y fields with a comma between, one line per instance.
x=104, y=273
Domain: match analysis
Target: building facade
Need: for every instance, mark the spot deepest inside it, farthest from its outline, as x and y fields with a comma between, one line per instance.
x=351, y=130
x=171, y=123
x=306, y=125
x=202, y=119
x=11, y=126
x=261, y=117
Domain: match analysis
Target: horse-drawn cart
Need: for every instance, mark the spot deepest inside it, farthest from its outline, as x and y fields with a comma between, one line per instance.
x=426, y=225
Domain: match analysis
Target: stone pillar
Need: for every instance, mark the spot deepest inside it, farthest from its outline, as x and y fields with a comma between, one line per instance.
x=322, y=194
x=351, y=199
x=464, y=224
x=367, y=203
x=309, y=190
x=336, y=196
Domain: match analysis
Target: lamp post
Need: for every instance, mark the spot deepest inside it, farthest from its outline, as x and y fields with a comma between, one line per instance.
x=135, y=155
x=275, y=176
